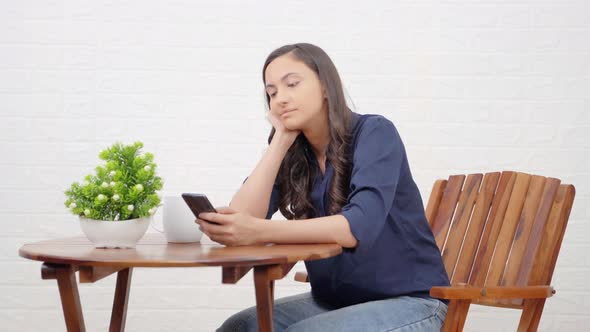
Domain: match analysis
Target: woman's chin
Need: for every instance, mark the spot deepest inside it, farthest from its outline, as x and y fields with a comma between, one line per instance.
x=291, y=125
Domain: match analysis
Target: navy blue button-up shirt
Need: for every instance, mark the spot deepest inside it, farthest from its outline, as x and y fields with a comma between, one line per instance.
x=396, y=253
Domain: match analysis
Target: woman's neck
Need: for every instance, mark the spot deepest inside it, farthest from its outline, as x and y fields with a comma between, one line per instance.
x=318, y=135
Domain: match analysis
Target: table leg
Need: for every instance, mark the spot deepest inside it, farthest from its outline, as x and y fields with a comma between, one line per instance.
x=68, y=291
x=119, y=314
x=264, y=298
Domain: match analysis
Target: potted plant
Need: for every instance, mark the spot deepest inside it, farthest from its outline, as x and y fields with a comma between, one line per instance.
x=116, y=204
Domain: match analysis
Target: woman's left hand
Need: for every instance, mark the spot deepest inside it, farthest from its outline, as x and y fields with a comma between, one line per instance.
x=232, y=229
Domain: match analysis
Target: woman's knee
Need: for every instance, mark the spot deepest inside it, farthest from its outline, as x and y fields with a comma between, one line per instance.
x=287, y=310
x=243, y=321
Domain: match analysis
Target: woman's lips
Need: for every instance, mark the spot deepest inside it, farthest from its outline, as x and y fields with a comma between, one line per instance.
x=287, y=112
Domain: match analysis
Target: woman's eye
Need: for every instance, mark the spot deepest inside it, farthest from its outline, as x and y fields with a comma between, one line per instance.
x=291, y=85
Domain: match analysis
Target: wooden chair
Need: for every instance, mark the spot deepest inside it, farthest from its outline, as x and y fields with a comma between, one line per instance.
x=499, y=236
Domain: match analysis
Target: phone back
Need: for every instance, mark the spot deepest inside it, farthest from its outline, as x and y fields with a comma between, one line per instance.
x=198, y=203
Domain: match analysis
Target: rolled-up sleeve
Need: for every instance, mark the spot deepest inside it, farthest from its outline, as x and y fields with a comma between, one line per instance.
x=377, y=160
x=273, y=204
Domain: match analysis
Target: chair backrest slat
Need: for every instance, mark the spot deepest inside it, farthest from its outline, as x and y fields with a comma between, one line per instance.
x=460, y=222
x=483, y=203
x=504, y=241
x=434, y=200
x=546, y=257
x=533, y=222
x=446, y=209
x=492, y=229
x=536, y=235
x=523, y=230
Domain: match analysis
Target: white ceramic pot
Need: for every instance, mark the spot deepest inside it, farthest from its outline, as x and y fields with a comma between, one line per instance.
x=115, y=234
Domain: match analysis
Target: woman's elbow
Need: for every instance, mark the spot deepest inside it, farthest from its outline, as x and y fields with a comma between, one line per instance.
x=345, y=238
x=349, y=242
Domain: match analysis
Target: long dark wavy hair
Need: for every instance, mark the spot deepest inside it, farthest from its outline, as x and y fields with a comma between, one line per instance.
x=295, y=176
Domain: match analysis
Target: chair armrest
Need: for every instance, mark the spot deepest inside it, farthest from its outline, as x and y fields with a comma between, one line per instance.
x=301, y=277
x=495, y=292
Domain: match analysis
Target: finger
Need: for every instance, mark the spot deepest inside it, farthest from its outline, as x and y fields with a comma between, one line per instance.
x=214, y=217
x=225, y=210
x=214, y=229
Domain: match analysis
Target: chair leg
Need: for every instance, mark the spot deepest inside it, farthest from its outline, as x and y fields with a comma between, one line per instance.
x=456, y=315
x=119, y=313
x=531, y=315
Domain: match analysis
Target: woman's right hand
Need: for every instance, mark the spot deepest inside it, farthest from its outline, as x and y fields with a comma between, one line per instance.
x=280, y=130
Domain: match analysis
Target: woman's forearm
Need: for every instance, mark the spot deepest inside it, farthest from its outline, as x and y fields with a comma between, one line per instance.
x=331, y=229
x=254, y=195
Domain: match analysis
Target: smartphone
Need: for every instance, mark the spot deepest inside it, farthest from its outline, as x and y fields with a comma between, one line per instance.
x=198, y=203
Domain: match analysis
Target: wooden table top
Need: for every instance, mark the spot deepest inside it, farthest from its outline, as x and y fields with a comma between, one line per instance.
x=153, y=251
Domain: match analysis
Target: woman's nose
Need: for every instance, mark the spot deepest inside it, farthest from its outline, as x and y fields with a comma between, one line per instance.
x=282, y=97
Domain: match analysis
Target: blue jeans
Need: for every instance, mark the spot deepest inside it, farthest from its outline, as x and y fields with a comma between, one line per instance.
x=304, y=313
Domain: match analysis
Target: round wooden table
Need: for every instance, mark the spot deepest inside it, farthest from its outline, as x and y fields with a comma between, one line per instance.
x=63, y=257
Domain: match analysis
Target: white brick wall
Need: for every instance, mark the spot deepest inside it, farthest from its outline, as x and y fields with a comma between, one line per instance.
x=472, y=85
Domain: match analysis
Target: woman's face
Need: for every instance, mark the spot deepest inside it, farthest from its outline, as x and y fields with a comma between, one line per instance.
x=295, y=91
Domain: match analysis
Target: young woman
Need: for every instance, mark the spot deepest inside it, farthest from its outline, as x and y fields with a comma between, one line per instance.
x=338, y=177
